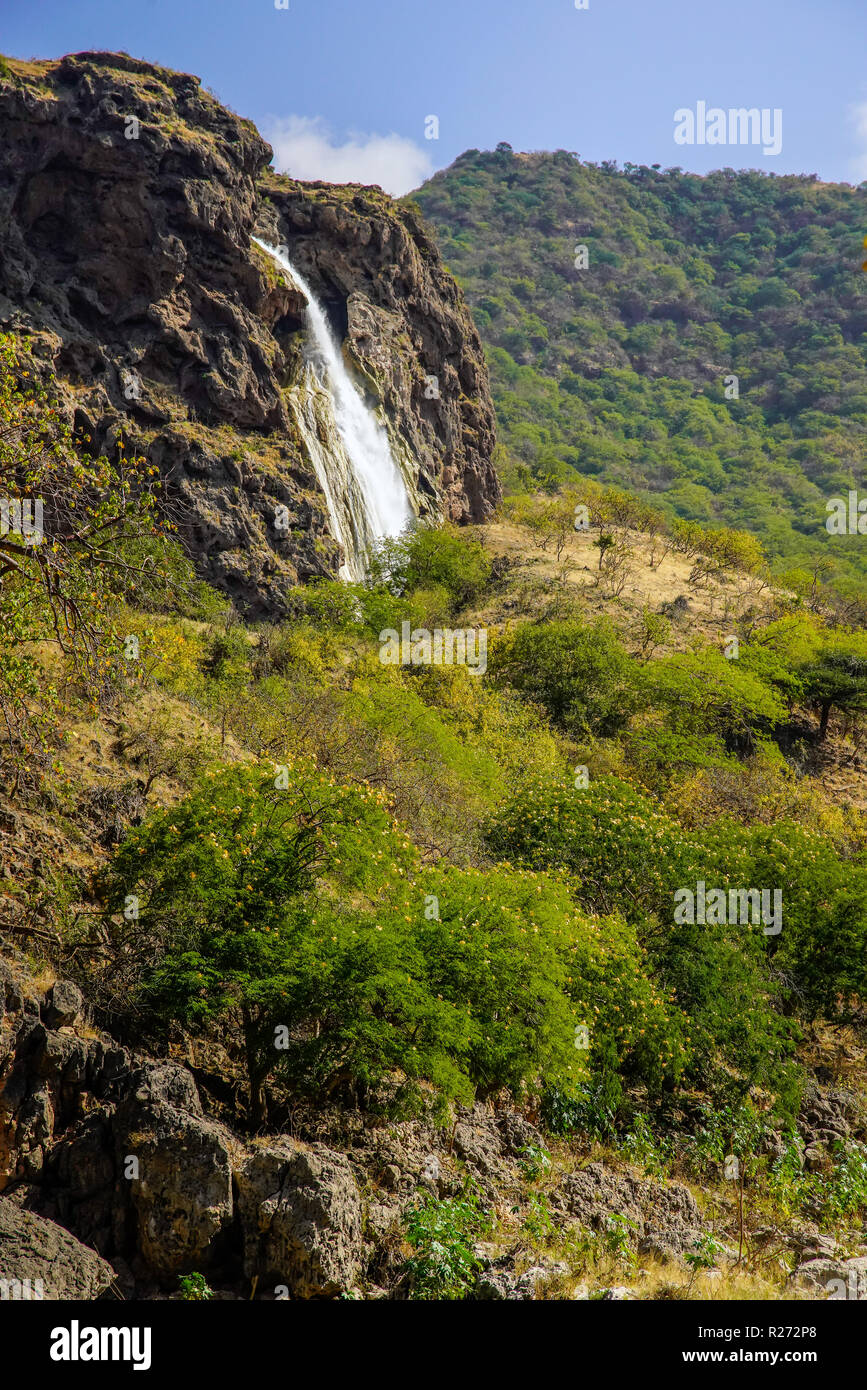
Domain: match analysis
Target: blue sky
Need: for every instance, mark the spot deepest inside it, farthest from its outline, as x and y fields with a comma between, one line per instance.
x=342, y=88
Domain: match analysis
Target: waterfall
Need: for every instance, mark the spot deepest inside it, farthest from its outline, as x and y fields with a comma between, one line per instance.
x=364, y=488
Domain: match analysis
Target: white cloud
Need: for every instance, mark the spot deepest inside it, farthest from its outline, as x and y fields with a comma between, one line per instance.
x=858, y=118
x=305, y=148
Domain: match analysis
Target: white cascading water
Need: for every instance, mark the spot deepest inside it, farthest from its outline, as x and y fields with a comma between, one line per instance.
x=364, y=488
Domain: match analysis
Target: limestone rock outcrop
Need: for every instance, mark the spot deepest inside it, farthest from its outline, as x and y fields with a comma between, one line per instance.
x=178, y=1168
x=663, y=1218
x=301, y=1213
x=118, y=1150
x=39, y=1260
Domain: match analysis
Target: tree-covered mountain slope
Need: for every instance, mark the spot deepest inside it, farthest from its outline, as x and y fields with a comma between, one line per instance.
x=618, y=369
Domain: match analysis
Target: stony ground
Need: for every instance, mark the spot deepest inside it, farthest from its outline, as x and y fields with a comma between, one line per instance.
x=117, y=1176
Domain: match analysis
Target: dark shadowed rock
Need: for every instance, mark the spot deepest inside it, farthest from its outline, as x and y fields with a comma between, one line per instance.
x=177, y=1168
x=45, y=1259
x=64, y=1004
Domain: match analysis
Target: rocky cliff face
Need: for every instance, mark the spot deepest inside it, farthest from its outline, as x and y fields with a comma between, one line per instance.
x=113, y=1176
x=117, y=1176
x=405, y=326
x=128, y=197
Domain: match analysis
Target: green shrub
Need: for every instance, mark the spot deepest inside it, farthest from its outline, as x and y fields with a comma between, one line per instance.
x=620, y=848
x=710, y=702
x=194, y=1288
x=442, y=1234
x=580, y=674
x=228, y=656
x=498, y=951
x=443, y=559
x=331, y=602
x=624, y=851
x=843, y=1194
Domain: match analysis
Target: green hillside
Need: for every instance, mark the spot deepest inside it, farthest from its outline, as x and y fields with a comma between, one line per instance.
x=618, y=370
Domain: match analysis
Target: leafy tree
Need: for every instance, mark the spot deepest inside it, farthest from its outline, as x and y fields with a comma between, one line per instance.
x=702, y=694
x=836, y=678
x=579, y=673
x=498, y=948
x=208, y=910
x=428, y=559
x=77, y=535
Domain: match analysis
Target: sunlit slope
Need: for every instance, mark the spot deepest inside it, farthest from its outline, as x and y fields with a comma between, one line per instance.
x=619, y=369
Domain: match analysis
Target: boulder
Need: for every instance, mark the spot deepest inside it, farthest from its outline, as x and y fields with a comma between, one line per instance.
x=64, y=1005
x=477, y=1141
x=178, y=1167
x=816, y=1157
x=664, y=1217
x=833, y=1278
x=40, y=1260
x=301, y=1215
x=506, y=1284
